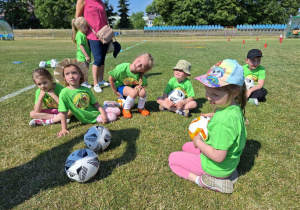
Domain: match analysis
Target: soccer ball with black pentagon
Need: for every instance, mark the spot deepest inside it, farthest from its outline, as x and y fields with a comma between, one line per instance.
x=97, y=138
x=176, y=95
x=82, y=165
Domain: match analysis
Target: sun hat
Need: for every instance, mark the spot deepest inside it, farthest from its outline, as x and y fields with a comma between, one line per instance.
x=58, y=71
x=254, y=53
x=183, y=65
x=223, y=73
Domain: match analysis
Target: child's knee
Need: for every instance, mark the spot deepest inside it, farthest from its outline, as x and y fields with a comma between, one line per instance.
x=33, y=114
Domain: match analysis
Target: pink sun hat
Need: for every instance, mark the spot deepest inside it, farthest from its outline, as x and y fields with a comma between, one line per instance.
x=223, y=73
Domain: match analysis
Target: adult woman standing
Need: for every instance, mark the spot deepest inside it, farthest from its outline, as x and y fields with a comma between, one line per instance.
x=94, y=12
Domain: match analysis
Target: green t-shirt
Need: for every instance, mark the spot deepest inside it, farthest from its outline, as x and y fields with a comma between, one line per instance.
x=124, y=76
x=80, y=101
x=81, y=40
x=226, y=131
x=256, y=74
x=48, y=101
x=185, y=86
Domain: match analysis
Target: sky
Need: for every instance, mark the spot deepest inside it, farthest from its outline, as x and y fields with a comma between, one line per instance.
x=134, y=5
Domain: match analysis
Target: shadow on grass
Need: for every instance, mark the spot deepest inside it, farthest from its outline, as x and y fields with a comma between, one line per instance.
x=200, y=102
x=46, y=171
x=151, y=74
x=248, y=156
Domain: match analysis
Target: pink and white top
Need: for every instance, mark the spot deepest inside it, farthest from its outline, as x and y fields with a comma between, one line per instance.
x=94, y=13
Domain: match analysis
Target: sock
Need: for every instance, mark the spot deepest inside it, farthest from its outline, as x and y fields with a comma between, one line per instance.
x=197, y=181
x=129, y=102
x=179, y=112
x=47, y=122
x=141, y=102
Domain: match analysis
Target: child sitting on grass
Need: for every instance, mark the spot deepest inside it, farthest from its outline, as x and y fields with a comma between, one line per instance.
x=127, y=81
x=212, y=163
x=180, y=81
x=47, y=94
x=256, y=72
x=80, y=100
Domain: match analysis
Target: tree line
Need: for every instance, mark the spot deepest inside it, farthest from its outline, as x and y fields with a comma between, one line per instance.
x=59, y=13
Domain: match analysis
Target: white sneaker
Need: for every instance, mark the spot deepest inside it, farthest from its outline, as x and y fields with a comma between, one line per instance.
x=36, y=122
x=97, y=88
x=86, y=84
x=104, y=83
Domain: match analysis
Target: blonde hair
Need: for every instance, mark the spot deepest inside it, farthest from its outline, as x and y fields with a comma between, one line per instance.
x=77, y=23
x=79, y=71
x=241, y=98
x=41, y=72
x=149, y=66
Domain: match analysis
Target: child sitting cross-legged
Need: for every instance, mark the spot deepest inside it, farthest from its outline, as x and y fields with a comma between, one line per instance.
x=180, y=81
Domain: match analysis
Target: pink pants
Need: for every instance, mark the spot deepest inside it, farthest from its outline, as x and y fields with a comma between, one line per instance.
x=186, y=161
x=50, y=111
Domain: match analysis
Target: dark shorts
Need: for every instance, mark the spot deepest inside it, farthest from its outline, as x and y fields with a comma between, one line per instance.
x=99, y=52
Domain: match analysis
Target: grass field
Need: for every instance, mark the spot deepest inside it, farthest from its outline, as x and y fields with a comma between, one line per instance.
x=134, y=171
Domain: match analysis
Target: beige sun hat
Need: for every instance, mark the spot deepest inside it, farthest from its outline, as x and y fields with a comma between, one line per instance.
x=58, y=71
x=183, y=65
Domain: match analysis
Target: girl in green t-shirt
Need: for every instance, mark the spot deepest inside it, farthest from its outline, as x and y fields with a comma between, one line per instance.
x=212, y=163
x=47, y=94
x=83, y=53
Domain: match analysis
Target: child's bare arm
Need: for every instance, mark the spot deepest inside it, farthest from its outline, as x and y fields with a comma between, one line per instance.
x=210, y=152
x=64, y=130
x=87, y=57
x=113, y=87
x=39, y=103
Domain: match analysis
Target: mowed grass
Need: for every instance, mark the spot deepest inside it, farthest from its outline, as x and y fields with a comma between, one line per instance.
x=134, y=171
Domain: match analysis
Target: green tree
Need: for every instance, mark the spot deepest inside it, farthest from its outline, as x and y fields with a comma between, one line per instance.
x=124, y=22
x=151, y=8
x=137, y=20
x=17, y=12
x=158, y=21
x=109, y=12
x=55, y=14
x=226, y=12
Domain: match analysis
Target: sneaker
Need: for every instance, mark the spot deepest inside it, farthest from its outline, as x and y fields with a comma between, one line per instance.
x=253, y=101
x=185, y=113
x=97, y=88
x=219, y=185
x=104, y=83
x=36, y=122
x=86, y=84
x=161, y=108
x=126, y=113
x=144, y=112
x=234, y=177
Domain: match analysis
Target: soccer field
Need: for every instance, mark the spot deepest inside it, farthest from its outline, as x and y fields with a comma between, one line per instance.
x=134, y=171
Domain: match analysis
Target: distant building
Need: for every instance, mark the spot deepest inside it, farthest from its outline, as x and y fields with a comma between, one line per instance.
x=149, y=19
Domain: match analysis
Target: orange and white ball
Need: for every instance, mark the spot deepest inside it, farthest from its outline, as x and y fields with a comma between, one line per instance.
x=199, y=125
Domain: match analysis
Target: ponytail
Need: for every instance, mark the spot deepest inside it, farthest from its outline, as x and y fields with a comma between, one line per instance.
x=74, y=30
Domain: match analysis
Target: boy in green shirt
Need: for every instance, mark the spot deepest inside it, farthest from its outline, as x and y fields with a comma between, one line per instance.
x=253, y=70
x=180, y=81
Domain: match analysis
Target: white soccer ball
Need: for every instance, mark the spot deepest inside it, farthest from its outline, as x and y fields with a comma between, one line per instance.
x=82, y=165
x=249, y=83
x=97, y=138
x=199, y=125
x=176, y=95
x=53, y=63
x=43, y=64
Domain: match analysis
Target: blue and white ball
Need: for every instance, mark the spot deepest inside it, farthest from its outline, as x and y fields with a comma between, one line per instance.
x=53, y=63
x=82, y=165
x=97, y=138
x=176, y=95
x=249, y=83
x=43, y=64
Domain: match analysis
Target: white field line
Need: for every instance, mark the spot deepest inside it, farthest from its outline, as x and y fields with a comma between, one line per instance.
x=32, y=86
